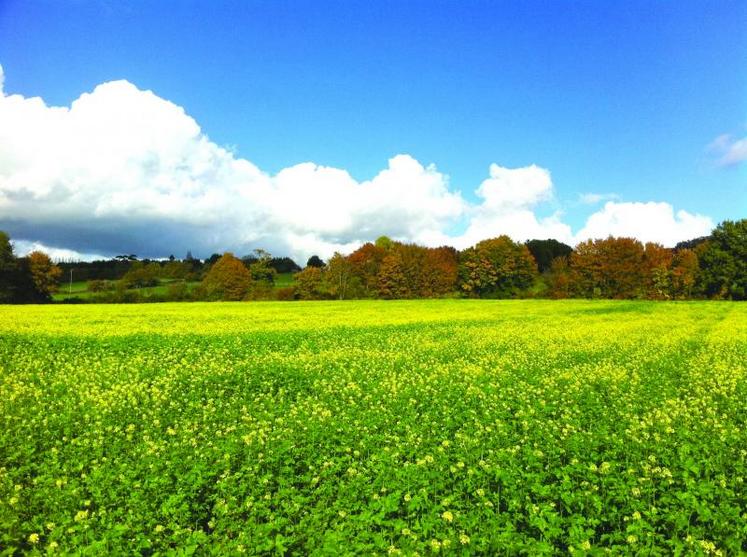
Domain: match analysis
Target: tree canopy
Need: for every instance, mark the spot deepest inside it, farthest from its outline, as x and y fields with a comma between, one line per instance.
x=228, y=279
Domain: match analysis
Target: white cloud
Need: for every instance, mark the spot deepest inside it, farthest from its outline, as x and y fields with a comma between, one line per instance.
x=123, y=170
x=594, y=198
x=648, y=222
x=729, y=150
x=509, y=198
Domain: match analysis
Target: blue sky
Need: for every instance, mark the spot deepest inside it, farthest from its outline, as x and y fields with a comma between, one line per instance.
x=620, y=99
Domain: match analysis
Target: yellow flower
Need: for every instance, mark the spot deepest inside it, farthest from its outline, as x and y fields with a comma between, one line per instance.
x=82, y=515
x=586, y=546
x=463, y=538
x=447, y=516
x=34, y=538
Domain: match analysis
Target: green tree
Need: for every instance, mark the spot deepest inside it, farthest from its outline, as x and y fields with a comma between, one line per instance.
x=227, y=279
x=315, y=261
x=338, y=277
x=544, y=251
x=723, y=262
x=384, y=242
x=8, y=269
x=496, y=268
x=261, y=268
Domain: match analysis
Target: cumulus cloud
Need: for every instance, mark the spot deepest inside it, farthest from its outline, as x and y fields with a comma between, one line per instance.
x=729, y=150
x=648, y=222
x=123, y=170
x=509, y=198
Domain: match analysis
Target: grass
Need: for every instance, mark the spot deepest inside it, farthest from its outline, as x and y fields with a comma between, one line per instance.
x=455, y=426
x=79, y=289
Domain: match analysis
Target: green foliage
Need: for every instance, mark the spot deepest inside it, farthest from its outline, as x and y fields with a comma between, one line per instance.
x=467, y=426
x=338, y=278
x=496, y=268
x=544, y=251
x=315, y=261
x=384, y=242
x=723, y=262
x=142, y=275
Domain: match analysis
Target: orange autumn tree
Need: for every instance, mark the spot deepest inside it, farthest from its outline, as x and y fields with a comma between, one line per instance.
x=228, y=279
x=44, y=273
x=440, y=271
x=365, y=263
x=684, y=273
x=608, y=268
x=658, y=280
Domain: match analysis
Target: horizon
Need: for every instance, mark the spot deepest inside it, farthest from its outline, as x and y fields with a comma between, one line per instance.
x=310, y=129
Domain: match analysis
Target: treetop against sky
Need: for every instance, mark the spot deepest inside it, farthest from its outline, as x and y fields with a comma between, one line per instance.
x=313, y=127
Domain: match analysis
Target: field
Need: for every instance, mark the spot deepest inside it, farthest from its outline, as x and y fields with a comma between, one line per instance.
x=80, y=290
x=453, y=426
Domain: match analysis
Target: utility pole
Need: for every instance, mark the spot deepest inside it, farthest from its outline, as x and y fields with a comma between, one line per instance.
x=70, y=290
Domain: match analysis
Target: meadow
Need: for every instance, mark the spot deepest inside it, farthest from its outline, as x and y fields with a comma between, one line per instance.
x=369, y=427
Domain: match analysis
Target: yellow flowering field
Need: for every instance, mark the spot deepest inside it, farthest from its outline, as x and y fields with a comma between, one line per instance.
x=412, y=427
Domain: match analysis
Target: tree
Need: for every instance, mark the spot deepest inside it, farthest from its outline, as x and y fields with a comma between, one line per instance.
x=210, y=260
x=658, y=279
x=228, y=279
x=309, y=283
x=684, y=273
x=338, y=277
x=440, y=271
x=392, y=279
x=384, y=242
x=559, y=278
x=284, y=265
x=545, y=251
x=17, y=283
x=497, y=268
x=315, y=261
x=723, y=262
x=365, y=263
x=142, y=275
x=44, y=273
x=691, y=244
x=8, y=269
x=260, y=268
x=609, y=268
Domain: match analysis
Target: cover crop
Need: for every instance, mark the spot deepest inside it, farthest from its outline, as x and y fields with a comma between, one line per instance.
x=454, y=426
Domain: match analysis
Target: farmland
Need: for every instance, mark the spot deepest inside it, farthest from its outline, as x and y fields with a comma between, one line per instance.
x=453, y=426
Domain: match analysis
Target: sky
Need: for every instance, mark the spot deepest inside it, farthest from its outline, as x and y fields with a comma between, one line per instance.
x=311, y=127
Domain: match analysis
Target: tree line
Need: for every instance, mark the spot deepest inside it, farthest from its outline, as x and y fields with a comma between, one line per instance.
x=712, y=267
